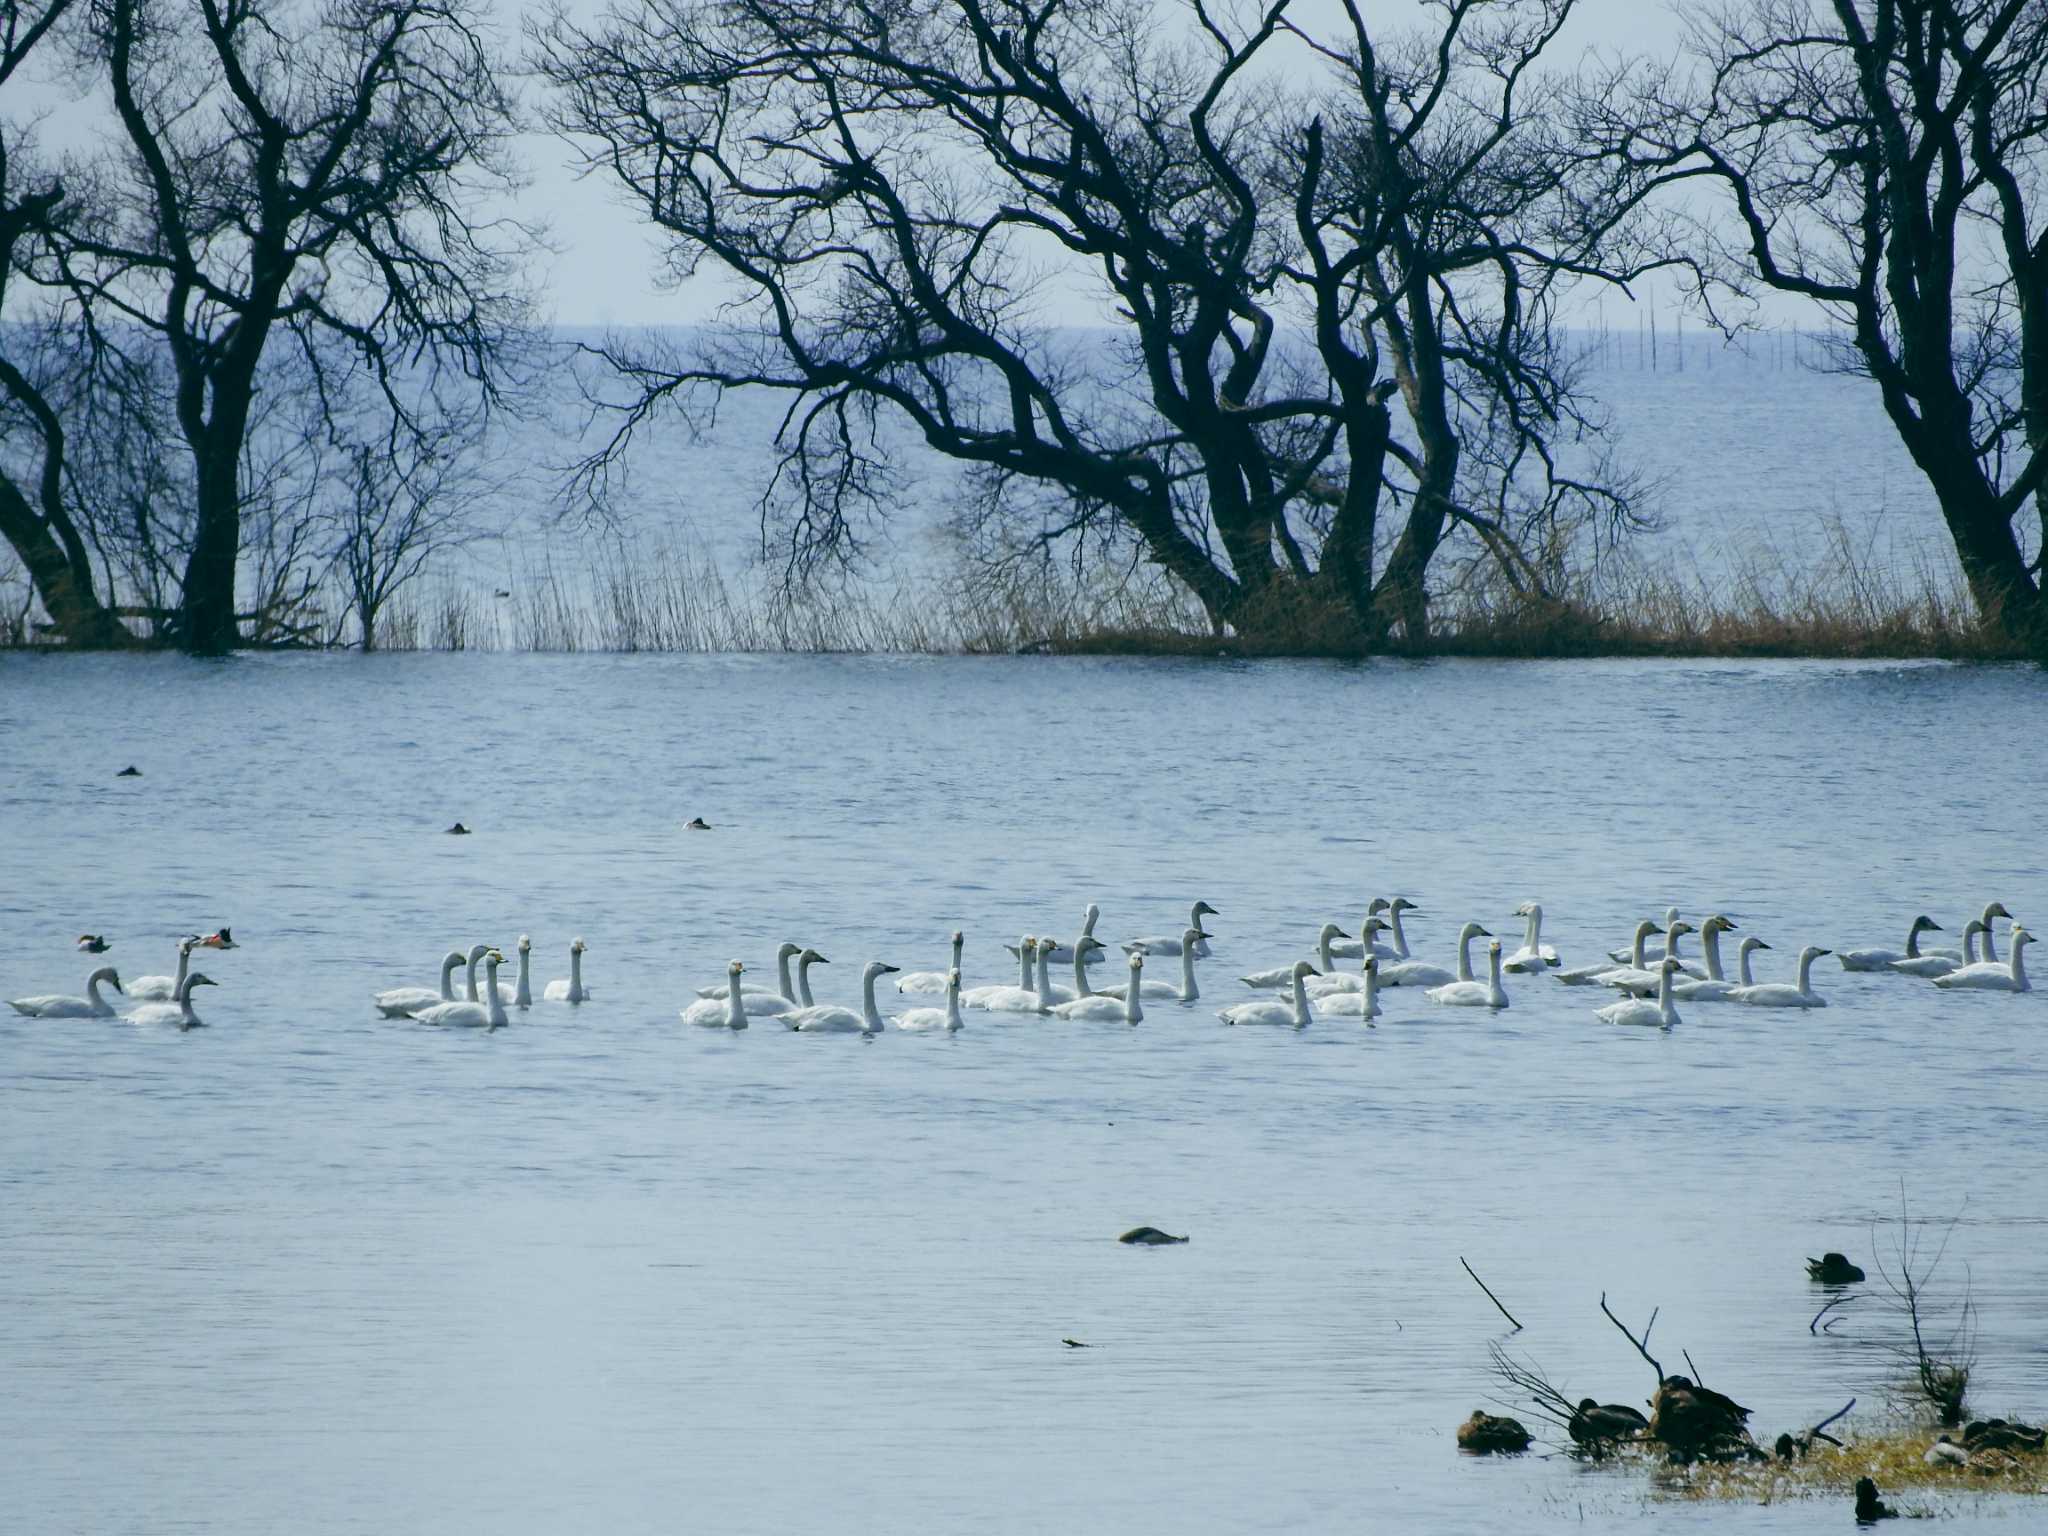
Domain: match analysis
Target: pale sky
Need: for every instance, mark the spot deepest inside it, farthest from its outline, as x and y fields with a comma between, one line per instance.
x=604, y=272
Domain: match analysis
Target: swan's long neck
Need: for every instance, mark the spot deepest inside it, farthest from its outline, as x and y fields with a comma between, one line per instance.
x=1806, y=970
x=1710, y=946
x=1081, y=987
x=575, y=975
x=1134, y=1011
x=1990, y=948
x=1300, y=1003
x=1372, y=992
x=1642, y=937
x=1671, y=942
x=100, y=1004
x=185, y=969
x=1044, y=987
x=1970, y=943
x=1400, y=938
x=523, y=993
x=782, y=976
x=498, y=1019
x=1188, y=991
x=959, y=943
x=2019, y=967
x=1664, y=995
x=449, y=964
x=1496, y=995
x=1323, y=955
x=803, y=983
x=735, y=1010
x=185, y=1013
x=469, y=976
x=1742, y=963
x=1088, y=919
x=1913, y=940
x=871, y=1020
x=1465, y=955
x=1530, y=930
x=1024, y=966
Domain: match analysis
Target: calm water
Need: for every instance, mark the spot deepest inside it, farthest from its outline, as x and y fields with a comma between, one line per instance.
x=311, y=1270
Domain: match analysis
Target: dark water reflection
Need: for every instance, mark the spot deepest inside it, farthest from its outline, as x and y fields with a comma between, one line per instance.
x=311, y=1270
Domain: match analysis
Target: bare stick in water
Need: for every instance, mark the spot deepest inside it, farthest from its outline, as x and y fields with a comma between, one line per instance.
x=1642, y=1344
x=1504, y=1312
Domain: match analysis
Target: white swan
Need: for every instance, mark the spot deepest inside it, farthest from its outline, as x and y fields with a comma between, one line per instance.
x=784, y=988
x=55, y=1005
x=1283, y=975
x=1986, y=925
x=1362, y=1004
x=1643, y=980
x=1988, y=976
x=179, y=1013
x=1166, y=991
x=157, y=989
x=1129, y=1007
x=1939, y=962
x=1169, y=944
x=399, y=1002
x=1389, y=913
x=1589, y=975
x=1267, y=1010
x=1635, y=958
x=946, y=1018
x=830, y=1019
x=710, y=1013
x=469, y=982
x=1061, y=954
x=1642, y=1011
x=1021, y=998
x=1534, y=955
x=934, y=981
x=1334, y=983
x=1414, y=973
x=522, y=989
x=570, y=988
x=761, y=1004
x=487, y=1012
x=1779, y=995
x=1883, y=959
x=1718, y=989
x=1474, y=994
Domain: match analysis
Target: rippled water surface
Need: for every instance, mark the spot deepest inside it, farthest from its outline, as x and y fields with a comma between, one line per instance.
x=311, y=1270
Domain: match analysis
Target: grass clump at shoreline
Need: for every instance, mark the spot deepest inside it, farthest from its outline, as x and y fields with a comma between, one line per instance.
x=1894, y=1457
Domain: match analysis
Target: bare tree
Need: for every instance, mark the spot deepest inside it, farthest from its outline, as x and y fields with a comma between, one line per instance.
x=35, y=518
x=298, y=173
x=1884, y=160
x=1292, y=233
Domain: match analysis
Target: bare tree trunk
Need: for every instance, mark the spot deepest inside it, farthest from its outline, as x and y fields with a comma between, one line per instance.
x=63, y=581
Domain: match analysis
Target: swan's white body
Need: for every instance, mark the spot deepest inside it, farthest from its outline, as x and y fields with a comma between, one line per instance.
x=1474, y=994
x=1063, y=954
x=178, y=1014
x=784, y=988
x=486, y=1012
x=56, y=1005
x=1534, y=956
x=1642, y=981
x=1128, y=1008
x=570, y=988
x=1362, y=1004
x=927, y=1019
x=1718, y=989
x=830, y=1019
x=1884, y=959
x=1589, y=975
x=399, y=1002
x=1267, y=1010
x=935, y=981
x=1283, y=975
x=731, y=1014
x=1169, y=943
x=1780, y=995
x=1331, y=983
x=155, y=989
x=1021, y=998
x=1414, y=973
x=1939, y=962
x=1641, y=1011
x=1166, y=991
x=1989, y=976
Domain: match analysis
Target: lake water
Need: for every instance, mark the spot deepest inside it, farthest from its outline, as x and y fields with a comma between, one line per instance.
x=311, y=1270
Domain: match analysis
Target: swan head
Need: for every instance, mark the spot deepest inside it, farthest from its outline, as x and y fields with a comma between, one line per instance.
x=1137, y=961
x=877, y=968
x=191, y=942
x=1813, y=952
x=525, y=943
x=1189, y=938
x=1329, y=931
x=109, y=975
x=1373, y=924
x=1378, y=904
x=811, y=957
x=1474, y=931
x=787, y=951
x=1678, y=926
x=1524, y=909
x=1090, y=916
x=477, y=952
x=1493, y=950
x=1202, y=909
x=1717, y=924
x=577, y=946
x=494, y=958
x=1671, y=966
x=1753, y=942
x=2020, y=938
x=1670, y=916
x=1402, y=904
x=200, y=979
x=1645, y=928
x=733, y=968
x=1925, y=924
x=959, y=937
x=1303, y=968
x=1087, y=944
x=1996, y=909
x=1026, y=944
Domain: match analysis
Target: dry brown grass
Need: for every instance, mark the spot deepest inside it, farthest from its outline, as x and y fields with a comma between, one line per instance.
x=1894, y=1458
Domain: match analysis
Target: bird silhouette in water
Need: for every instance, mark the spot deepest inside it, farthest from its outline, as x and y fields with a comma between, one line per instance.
x=1150, y=1237
x=699, y=824
x=458, y=830
x=221, y=940
x=1076, y=1344
x=130, y=772
x=94, y=943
